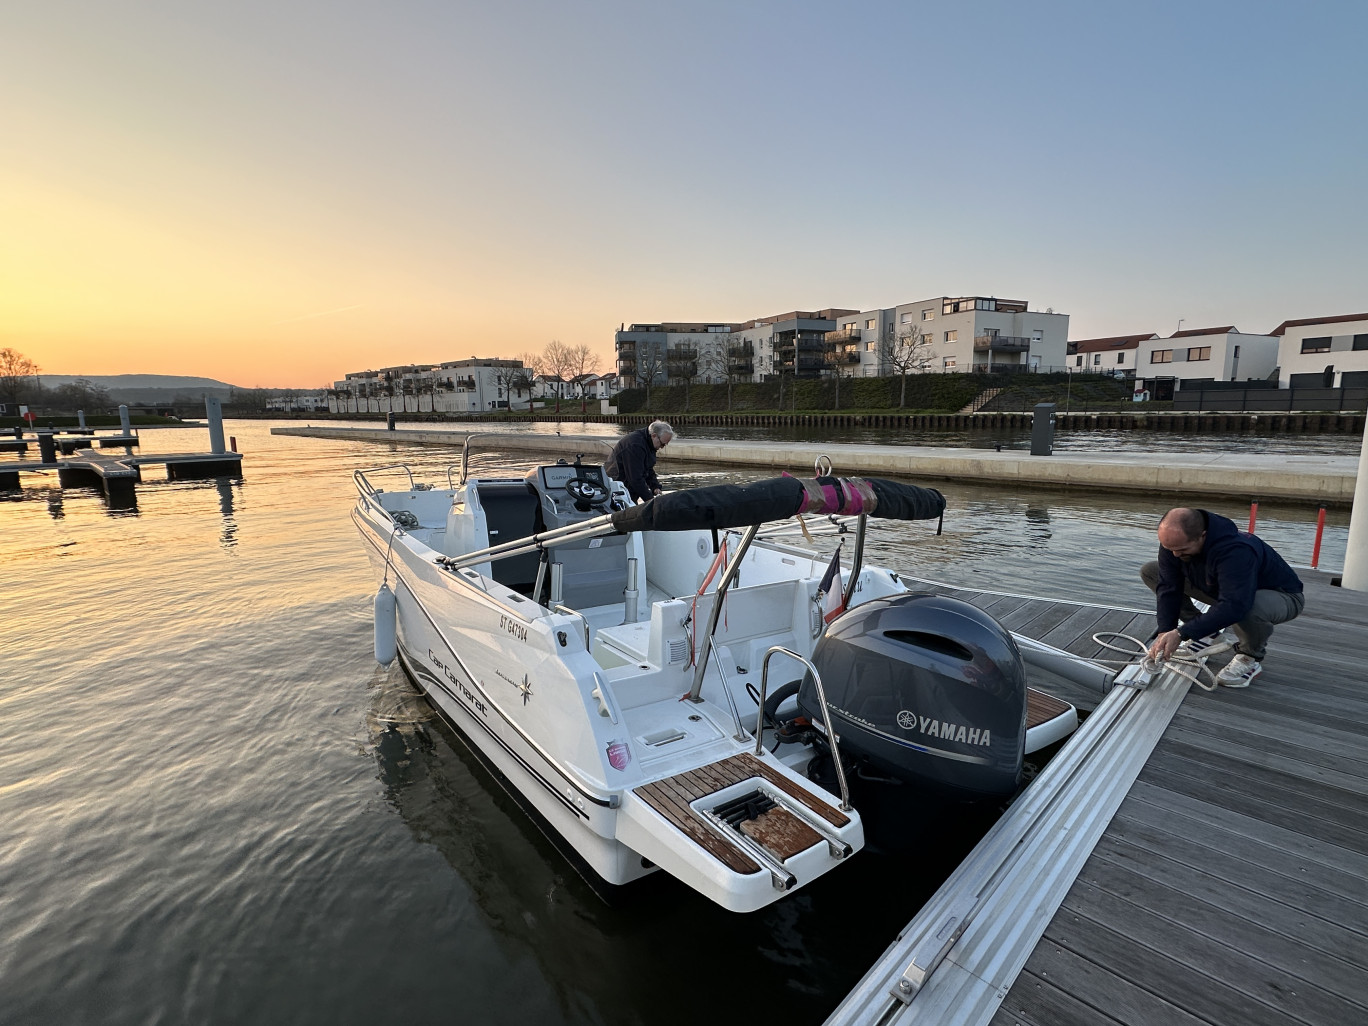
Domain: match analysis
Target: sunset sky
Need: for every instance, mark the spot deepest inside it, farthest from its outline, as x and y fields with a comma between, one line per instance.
x=277, y=193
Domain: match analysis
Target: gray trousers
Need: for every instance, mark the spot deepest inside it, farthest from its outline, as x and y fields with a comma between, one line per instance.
x=1270, y=607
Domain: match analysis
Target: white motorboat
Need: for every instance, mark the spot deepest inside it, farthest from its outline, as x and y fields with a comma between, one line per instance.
x=611, y=660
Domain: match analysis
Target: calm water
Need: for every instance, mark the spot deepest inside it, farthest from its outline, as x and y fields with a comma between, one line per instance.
x=217, y=809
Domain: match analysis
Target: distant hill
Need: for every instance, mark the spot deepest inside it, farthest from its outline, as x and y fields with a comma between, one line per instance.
x=150, y=389
x=126, y=381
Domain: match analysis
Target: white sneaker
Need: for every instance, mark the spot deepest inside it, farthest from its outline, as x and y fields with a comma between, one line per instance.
x=1200, y=648
x=1240, y=671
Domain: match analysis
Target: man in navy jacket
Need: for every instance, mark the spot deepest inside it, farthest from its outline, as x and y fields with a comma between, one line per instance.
x=1247, y=585
x=633, y=459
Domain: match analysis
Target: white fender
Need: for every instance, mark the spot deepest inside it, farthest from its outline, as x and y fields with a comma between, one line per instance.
x=385, y=645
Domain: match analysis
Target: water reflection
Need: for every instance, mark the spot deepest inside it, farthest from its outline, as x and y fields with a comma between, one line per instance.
x=54, y=504
x=228, y=537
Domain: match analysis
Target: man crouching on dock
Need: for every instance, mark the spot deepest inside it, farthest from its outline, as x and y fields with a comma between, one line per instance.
x=1247, y=585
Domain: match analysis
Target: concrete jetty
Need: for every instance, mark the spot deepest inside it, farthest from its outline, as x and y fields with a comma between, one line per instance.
x=1317, y=478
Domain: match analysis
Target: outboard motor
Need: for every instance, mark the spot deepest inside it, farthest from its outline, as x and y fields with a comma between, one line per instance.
x=926, y=690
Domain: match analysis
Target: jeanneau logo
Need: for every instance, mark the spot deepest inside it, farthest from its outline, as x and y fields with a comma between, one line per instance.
x=944, y=729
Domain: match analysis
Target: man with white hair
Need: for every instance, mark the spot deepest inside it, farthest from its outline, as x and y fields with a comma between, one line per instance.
x=633, y=459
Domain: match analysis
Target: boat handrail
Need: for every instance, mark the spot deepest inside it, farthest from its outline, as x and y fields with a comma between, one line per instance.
x=728, y=575
x=370, y=494
x=826, y=716
x=465, y=448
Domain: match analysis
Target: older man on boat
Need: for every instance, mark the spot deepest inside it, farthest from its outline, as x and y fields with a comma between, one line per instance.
x=1246, y=584
x=633, y=459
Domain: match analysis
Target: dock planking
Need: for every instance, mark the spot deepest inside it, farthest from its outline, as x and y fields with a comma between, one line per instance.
x=1230, y=887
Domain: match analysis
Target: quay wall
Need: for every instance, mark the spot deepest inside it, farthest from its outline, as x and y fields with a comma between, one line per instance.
x=1176, y=422
x=1329, y=480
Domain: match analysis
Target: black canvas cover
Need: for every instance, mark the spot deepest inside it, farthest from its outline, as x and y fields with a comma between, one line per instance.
x=760, y=502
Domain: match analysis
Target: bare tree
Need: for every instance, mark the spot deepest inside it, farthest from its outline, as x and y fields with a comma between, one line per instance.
x=15, y=371
x=581, y=362
x=738, y=361
x=559, y=360
x=650, y=362
x=908, y=352
x=506, y=379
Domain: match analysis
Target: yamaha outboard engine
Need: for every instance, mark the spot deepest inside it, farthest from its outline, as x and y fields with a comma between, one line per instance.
x=926, y=690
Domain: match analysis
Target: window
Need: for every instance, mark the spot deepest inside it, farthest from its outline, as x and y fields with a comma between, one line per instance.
x=1097, y=359
x=928, y=314
x=926, y=340
x=905, y=317
x=1316, y=345
x=1199, y=353
x=1120, y=357
x=872, y=323
x=952, y=336
x=1161, y=356
x=1360, y=343
x=870, y=346
x=948, y=363
x=1078, y=361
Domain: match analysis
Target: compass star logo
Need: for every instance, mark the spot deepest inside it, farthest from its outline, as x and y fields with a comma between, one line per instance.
x=526, y=688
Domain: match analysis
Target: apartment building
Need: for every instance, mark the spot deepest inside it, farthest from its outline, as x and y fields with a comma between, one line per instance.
x=953, y=334
x=1320, y=352
x=1192, y=358
x=708, y=352
x=456, y=386
x=1116, y=355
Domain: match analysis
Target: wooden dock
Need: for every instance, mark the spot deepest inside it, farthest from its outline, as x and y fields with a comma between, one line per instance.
x=117, y=476
x=1229, y=887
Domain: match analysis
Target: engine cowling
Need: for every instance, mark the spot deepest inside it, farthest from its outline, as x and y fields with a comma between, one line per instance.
x=927, y=689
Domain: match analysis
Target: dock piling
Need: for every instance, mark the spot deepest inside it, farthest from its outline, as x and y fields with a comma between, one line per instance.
x=213, y=409
x=1356, y=553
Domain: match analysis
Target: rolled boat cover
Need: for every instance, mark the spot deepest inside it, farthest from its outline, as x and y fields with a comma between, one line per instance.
x=778, y=498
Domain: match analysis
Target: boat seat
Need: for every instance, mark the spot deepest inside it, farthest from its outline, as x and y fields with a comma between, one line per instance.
x=510, y=509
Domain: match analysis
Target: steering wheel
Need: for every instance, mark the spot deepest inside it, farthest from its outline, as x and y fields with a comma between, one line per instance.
x=586, y=492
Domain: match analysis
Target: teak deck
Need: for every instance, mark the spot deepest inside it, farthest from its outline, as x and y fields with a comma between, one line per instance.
x=1231, y=887
x=672, y=796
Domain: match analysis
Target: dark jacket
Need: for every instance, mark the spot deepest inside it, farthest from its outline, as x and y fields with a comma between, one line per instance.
x=633, y=463
x=1231, y=567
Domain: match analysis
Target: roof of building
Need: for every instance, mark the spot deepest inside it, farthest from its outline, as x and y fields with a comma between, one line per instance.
x=1318, y=320
x=1206, y=331
x=1098, y=345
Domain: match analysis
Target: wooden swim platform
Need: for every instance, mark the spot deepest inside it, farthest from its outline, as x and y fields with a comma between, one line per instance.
x=1229, y=886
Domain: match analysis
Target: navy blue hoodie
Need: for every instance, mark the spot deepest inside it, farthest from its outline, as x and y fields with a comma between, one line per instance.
x=1231, y=567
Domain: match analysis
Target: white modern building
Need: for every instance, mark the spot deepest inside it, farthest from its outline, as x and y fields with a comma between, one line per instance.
x=456, y=386
x=1188, y=359
x=299, y=402
x=1322, y=352
x=1115, y=356
x=953, y=334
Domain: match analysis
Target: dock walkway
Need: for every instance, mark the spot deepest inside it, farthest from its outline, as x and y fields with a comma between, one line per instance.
x=1328, y=479
x=1229, y=887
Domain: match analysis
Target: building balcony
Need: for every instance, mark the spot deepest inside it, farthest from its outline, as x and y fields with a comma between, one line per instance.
x=843, y=335
x=744, y=352
x=1002, y=343
x=626, y=347
x=841, y=359
x=740, y=367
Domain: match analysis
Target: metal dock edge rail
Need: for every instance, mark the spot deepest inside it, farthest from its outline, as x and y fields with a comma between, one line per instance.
x=957, y=959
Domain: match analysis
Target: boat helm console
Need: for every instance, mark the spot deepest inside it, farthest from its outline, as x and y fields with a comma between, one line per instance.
x=571, y=492
x=592, y=571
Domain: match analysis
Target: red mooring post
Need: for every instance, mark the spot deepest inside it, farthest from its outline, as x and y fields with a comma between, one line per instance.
x=1320, y=530
x=1253, y=514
